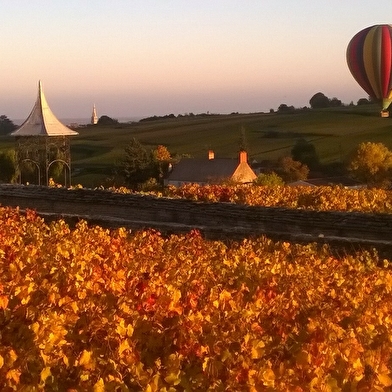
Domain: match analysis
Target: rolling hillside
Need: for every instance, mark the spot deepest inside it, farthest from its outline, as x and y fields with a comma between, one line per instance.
x=334, y=132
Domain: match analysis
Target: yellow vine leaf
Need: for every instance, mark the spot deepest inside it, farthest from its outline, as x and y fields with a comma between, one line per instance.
x=12, y=357
x=257, y=349
x=84, y=377
x=74, y=306
x=14, y=375
x=124, y=345
x=25, y=300
x=1, y=361
x=384, y=379
x=174, y=362
x=65, y=360
x=3, y=301
x=153, y=385
x=268, y=378
x=173, y=378
x=332, y=385
x=99, y=386
x=123, y=330
x=85, y=359
x=225, y=295
x=141, y=374
x=35, y=327
x=205, y=363
x=82, y=294
x=175, y=307
x=45, y=373
x=43, y=356
x=357, y=364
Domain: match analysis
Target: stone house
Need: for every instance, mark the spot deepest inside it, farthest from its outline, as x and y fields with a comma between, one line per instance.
x=211, y=170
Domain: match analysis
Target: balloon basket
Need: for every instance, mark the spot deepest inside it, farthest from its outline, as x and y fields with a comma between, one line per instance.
x=384, y=113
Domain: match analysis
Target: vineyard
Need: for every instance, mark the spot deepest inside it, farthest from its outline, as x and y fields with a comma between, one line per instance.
x=323, y=198
x=89, y=309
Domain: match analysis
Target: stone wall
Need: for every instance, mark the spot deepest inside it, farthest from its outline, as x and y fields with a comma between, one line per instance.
x=136, y=211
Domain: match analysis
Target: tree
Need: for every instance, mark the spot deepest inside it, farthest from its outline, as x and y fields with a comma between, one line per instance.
x=305, y=152
x=268, y=179
x=290, y=170
x=106, y=120
x=137, y=165
x=161, y=154
x=363, y=101
x=6, y=125
x=142, y=169
x=7, y=166
x=334, y=102
x=161, y=159
x=371, y=163
x=284, y=108
x=319, y=100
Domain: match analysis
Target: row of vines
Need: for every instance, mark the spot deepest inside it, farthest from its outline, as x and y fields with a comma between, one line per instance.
x=88, y=309
x=322, y=198
x=325, y=198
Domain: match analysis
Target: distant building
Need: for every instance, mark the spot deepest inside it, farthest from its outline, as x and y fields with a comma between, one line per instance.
x=211, y=170
x=94, y=117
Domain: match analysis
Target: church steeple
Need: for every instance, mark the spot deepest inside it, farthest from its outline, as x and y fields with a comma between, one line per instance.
x=94, y=117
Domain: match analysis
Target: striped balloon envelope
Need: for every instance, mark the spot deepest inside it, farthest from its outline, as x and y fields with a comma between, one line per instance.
x=369, y=58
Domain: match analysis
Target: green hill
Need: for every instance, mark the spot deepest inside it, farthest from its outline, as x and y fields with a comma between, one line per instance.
x=334, y=132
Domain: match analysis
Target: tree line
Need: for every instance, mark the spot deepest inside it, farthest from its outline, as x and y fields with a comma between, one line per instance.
x=321, y=101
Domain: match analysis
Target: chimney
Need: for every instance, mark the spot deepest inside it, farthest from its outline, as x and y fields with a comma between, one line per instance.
x=243, y=157
x=211, y=154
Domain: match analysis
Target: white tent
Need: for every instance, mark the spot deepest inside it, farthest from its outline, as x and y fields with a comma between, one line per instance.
x=41, y=121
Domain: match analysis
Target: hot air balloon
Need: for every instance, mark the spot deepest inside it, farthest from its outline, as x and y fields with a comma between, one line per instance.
x=369, y=58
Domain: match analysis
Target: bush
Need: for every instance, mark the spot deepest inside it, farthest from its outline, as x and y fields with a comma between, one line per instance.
x=268, y=179
x=7, y=166
x=291, y=170
x=371, y=163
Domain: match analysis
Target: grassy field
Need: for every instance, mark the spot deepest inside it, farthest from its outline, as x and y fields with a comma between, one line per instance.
x=334, y=132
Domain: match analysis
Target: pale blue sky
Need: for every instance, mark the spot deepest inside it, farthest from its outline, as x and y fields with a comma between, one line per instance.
x=145, y=57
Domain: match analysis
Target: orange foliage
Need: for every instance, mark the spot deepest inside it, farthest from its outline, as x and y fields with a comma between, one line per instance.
x=324, y=198
x=92, y=309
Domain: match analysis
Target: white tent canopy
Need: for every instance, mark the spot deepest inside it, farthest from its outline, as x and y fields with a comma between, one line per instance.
x=41, y=121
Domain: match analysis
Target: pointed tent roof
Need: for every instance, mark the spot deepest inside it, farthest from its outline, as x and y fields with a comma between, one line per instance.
x=41, y=121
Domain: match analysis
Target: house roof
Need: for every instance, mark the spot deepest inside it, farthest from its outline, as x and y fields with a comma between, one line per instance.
x=41, y=121
x=203, y=170
x=212, y=170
